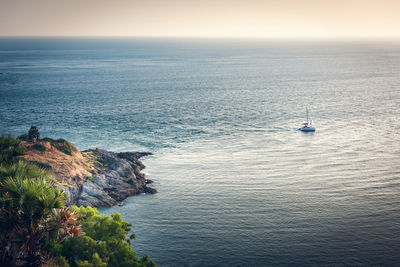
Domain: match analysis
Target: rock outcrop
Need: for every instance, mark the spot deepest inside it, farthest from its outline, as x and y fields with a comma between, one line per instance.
x=117, y=176
x=94, y=177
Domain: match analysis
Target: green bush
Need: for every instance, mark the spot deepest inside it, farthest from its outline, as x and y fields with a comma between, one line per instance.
x=10, y=149
x=63, y=146
x=32, y=215
x=66, y=149
x=60, y=144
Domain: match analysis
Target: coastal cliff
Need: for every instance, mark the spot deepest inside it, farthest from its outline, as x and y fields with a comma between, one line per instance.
x=94, y=177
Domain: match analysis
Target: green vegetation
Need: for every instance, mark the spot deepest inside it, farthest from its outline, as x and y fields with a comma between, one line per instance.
x=36, y=229
x=63, y=146
x=89, y=177
x=66, y=149
x=89, y=169
x=98, y=163
x=32, y=215
x=60, y=144
x=21, y=170
x=104, y=242
x=34, y=134
x=10, y=148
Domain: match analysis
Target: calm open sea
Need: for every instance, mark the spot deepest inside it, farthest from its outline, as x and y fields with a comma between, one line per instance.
x=238, y=184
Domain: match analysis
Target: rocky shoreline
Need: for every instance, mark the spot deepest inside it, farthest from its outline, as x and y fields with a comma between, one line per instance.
x=93, y=177
x=116, y=176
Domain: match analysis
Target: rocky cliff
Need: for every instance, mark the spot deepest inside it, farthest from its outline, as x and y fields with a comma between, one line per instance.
x=94, y=177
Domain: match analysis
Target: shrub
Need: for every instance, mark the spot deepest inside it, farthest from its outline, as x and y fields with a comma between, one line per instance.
x=10, y=149
x=32, y=215
x=60, y=144
x=63, y=146
x=66, y=149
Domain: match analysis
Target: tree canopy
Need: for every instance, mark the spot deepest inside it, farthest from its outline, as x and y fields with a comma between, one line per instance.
x=105, y=240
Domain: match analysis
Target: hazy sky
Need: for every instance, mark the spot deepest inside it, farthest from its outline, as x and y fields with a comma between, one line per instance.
x=203, y=18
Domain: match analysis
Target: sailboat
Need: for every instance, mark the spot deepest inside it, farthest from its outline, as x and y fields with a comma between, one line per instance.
x=307, y=126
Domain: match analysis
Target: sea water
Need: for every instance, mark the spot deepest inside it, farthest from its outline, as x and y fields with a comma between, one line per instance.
x=238, y=184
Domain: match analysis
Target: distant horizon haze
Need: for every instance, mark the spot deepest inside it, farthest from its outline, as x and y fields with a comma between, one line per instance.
x=254, y=19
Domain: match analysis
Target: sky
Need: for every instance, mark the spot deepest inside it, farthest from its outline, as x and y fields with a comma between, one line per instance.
x=202, y=18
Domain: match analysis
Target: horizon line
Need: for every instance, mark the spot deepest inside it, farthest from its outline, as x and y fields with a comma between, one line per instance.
x=350, y=38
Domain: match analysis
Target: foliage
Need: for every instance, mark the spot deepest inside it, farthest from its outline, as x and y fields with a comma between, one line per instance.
x=32, y=215
x=10, y=149
x=63, y=146
x=104, y=241
x=66, y=149
x=21, y=171
x=60, y=144
x=96, y=262
x=34, y=134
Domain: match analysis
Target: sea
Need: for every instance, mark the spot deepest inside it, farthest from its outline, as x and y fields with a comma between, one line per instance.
x=238, y=184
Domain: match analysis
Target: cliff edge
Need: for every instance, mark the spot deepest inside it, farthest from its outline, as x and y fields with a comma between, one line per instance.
x=94, y=177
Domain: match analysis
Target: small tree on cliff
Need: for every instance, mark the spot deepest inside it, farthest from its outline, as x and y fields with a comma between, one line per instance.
x=33, y=134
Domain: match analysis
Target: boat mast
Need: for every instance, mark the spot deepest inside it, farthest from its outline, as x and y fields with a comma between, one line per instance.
x=307, y=115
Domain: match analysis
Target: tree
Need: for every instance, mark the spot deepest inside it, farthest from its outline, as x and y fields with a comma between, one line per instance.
x=103, y=237
x=33, y=134
x=32, y=215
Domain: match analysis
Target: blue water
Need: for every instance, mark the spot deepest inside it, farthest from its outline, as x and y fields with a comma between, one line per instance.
x=238, y=185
